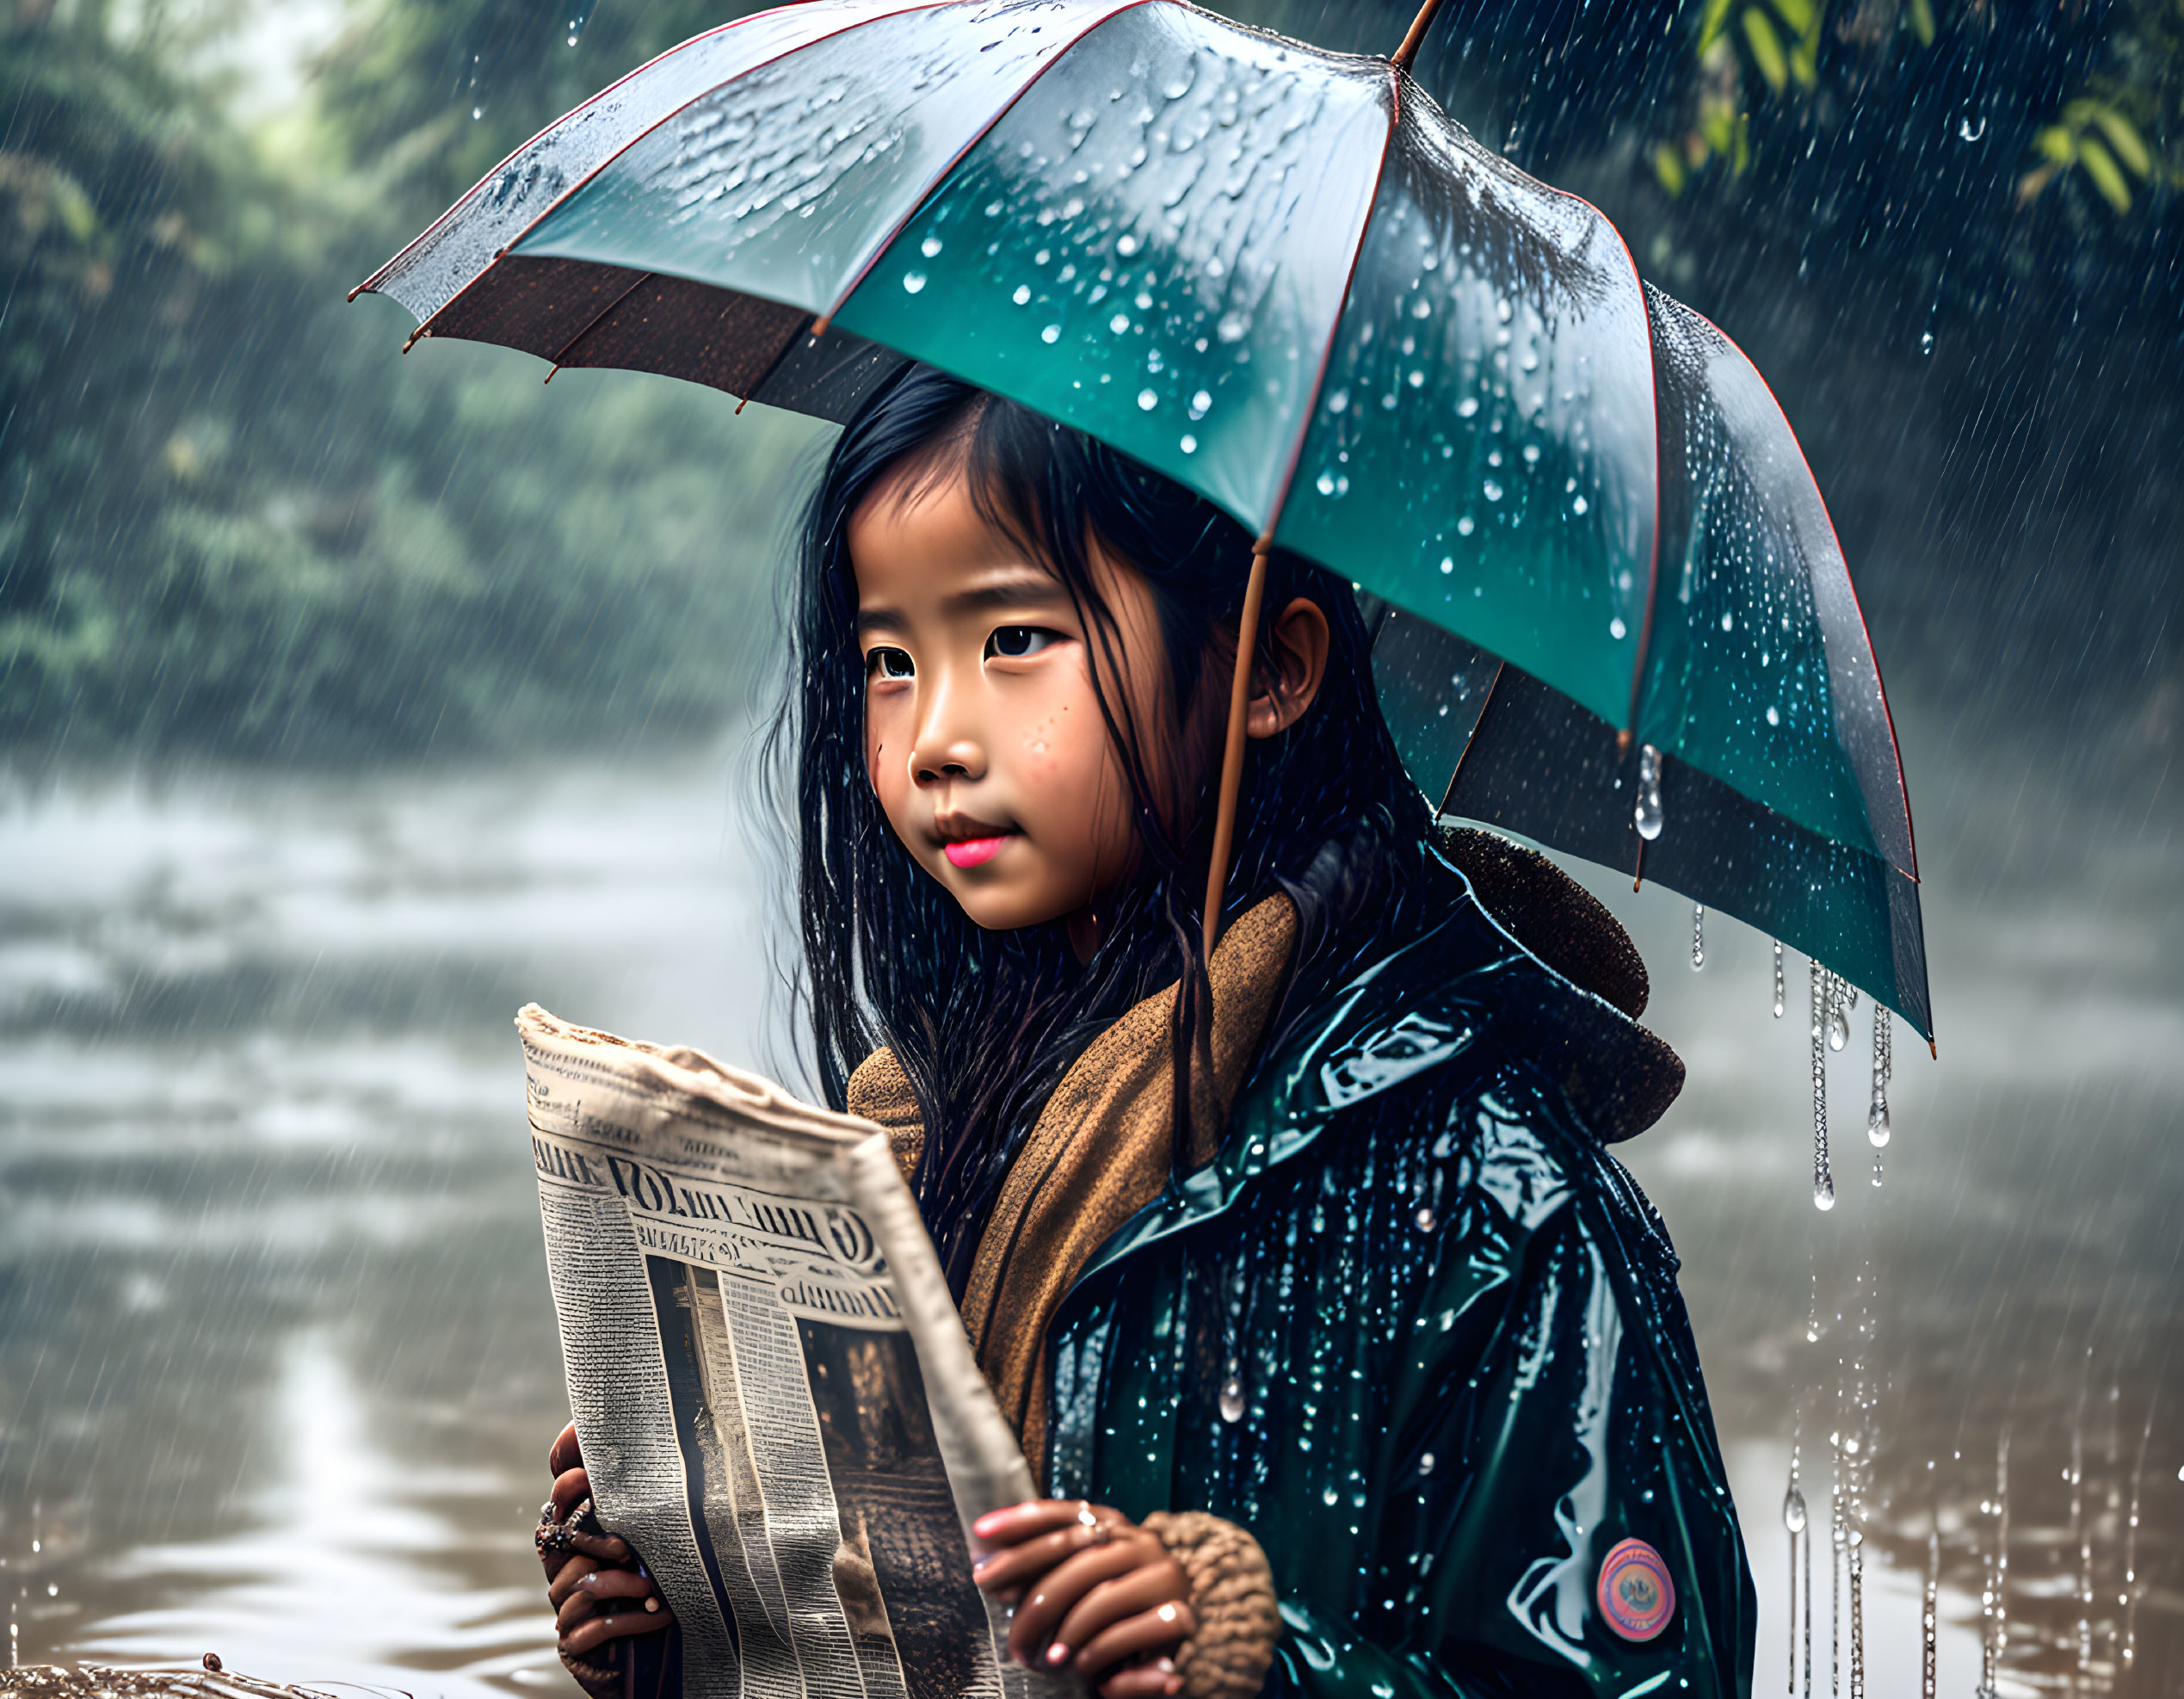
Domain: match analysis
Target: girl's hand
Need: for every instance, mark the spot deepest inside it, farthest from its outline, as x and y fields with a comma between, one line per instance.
x=1093, y=1592
x=599, y=1589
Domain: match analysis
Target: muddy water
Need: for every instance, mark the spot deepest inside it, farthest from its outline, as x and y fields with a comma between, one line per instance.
x=276, y=1361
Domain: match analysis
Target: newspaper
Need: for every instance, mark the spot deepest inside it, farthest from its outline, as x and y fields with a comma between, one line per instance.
x=777, y=1403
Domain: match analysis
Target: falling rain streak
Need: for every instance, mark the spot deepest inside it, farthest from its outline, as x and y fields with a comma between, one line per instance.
x=1823, y=1179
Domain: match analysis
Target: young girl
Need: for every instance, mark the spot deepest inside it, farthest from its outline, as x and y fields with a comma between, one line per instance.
x=1354, y=1362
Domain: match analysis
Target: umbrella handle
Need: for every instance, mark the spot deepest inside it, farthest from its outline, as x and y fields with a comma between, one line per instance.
x=1247, y=638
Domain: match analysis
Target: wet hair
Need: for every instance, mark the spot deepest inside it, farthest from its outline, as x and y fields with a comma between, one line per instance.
x=984, y=1023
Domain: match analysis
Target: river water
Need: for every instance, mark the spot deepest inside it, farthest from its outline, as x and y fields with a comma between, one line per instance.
x=277, y=1366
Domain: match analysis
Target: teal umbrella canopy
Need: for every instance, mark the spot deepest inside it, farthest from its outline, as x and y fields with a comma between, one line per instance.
x=1287, y=280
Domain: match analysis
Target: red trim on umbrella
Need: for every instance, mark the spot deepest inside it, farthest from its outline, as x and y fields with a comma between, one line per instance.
x=1653, y=559
x=848, y=25
x=1341, y=311
x=1888, y=717
x=374, y=280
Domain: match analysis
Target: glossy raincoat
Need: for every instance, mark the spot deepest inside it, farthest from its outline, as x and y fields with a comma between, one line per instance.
x=1419, y=1331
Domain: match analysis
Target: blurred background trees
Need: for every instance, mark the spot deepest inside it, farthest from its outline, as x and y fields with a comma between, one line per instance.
x=231, y=520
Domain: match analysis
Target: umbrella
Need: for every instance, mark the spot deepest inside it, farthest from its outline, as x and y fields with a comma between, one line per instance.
x=1286, y=279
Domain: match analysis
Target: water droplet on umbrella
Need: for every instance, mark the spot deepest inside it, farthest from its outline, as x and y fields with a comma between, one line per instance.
x=1838, y=1027
x=1645, y=816
x=1119, y=323
x=476, y=111
x=1493, y=490
x=1698, y=936
x=1773, y=714
x=1052, y=333
x=1465, y=526
x=1202, y=404
x=1022, y=297
x=1425, y=1218
x=1189, y=444
x=913, y=281
x=1147, y=400
x=1468, y=407
x=1425, y=1462
x=1778, y=978
x=1232, y=1395
x=1617, y=629
x=1793, y=1511
x=930, y=246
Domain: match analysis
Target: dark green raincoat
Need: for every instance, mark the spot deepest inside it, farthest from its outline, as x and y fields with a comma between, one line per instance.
x=1419, y=1331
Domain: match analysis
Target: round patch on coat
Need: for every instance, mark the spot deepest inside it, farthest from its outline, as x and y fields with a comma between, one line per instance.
x=1635, y=1593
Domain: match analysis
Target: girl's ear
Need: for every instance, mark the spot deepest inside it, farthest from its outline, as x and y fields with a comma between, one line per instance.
x=1285, y=690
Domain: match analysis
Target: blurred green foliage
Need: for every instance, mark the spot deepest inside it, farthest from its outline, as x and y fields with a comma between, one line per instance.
x=2101, y=133
x=2125, y=132
x=231, y=519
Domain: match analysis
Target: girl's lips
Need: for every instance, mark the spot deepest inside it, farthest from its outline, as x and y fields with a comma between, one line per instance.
x=972, y=852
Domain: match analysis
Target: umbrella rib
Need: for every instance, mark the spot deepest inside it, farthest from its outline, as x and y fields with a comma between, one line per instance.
x=1217, y=873
x=1470, y=738
x=585, y=181
x=593, y=324
x=379, y=276
x=825, y=320
x=1653, y=560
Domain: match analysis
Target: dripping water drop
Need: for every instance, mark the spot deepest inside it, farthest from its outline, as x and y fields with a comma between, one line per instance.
x=1645, y=816
x=1232, y=1393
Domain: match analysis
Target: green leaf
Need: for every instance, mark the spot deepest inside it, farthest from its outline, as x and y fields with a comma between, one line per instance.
x=1719, y=125
x=2057, y=144
x=1667, y=165
x=2101, y=166
x=1712, y=22
x=2125, y=139
x=1766, y=49
x=1742, y=157
x=1801, y=15
x=1922, y=20
x=73, y=206
x=1804, y=60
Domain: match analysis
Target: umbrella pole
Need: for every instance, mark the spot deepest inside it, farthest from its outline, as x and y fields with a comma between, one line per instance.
x=1247, y=638
x=1401, y=56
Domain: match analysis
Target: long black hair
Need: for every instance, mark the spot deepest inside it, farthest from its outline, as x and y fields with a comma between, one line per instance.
x=984, y=1023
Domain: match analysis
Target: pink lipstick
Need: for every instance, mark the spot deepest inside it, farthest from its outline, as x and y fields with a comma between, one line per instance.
x=972, y=852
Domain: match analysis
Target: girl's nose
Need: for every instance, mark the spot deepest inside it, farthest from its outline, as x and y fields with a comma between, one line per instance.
x=946, y=751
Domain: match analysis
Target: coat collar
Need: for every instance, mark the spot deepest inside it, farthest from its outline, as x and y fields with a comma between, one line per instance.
x=1456, y=982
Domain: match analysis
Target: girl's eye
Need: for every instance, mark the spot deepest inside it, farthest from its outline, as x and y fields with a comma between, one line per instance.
x=889, y=663
x=1017, y=641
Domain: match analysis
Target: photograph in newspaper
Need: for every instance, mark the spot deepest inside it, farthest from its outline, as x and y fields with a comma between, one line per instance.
x=746, y=1389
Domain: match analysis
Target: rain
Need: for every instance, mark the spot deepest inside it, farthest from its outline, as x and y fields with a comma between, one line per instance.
x=353, y=699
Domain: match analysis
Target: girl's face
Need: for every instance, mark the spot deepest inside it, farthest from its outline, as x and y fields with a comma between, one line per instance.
x=984, y=738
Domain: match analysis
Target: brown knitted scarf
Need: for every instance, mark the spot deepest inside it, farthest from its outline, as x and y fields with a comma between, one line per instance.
x=1101, y=1151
